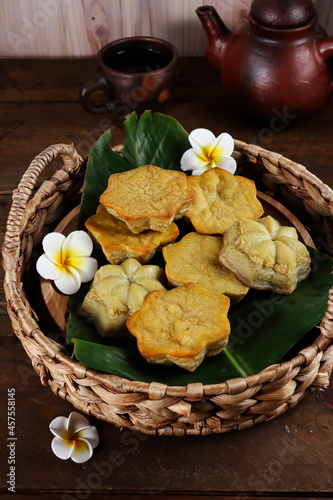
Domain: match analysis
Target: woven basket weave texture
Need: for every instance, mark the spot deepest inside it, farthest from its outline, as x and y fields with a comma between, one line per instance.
x=155, y=408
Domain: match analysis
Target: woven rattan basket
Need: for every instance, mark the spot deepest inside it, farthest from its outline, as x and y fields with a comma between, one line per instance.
x=154, y=408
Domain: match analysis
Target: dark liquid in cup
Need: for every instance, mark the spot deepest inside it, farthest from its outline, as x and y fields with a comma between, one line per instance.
x=136, y=60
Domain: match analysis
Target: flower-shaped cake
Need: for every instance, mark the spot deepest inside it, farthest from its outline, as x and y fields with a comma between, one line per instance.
x=265, y=255
x=220, y=200
x=119, y=243
x=181, y=326
x=117, y=292
x=195, y=259
x=147, y=197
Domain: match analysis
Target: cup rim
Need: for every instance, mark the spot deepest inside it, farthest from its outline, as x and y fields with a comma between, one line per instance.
x=139, y=39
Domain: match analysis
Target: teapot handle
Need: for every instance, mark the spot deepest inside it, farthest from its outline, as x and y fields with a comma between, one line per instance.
x=325, y=50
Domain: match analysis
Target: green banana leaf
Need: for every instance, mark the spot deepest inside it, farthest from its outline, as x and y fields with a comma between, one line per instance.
x=154, y=140
x=265, y=326
x=102, y=162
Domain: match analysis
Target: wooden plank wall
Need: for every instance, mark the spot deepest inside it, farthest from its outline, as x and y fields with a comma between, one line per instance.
x=60, y=28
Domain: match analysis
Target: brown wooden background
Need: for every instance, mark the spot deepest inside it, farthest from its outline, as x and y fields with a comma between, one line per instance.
x=64, y=28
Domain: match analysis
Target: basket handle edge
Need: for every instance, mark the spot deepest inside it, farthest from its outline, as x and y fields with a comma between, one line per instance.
x=71, y=163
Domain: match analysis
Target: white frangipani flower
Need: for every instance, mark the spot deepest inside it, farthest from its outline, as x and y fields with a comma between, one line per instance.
x=74, y=438
x=67, y=261
x=208, y=151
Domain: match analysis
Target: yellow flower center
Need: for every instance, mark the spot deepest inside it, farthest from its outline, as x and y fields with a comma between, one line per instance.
x=59, y=259
x=207, y=156
x=64, y=259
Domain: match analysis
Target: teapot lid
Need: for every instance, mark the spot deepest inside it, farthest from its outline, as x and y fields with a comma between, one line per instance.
x=282, y=13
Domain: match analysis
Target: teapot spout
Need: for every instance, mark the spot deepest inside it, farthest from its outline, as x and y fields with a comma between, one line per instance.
x=325, y=50
x=218, y=35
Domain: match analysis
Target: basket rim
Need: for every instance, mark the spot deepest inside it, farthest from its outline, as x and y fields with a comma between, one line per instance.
x=73, y=163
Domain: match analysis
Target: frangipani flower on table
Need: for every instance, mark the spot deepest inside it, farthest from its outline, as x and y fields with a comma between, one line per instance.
x=74, y=438
x=208, y=152
x=67, y=261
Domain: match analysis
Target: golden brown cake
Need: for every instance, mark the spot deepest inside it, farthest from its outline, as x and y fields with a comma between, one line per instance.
x=119, y=243
x=147, y=197
x=117, y=292
x=220, y=200
x=181, y=326
x=195, y=259
x=265, y=255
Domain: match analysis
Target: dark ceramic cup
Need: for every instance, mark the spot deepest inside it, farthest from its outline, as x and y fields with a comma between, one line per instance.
x=135, y=72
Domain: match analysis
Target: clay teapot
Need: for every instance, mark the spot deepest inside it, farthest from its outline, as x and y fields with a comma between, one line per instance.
x=277, y=64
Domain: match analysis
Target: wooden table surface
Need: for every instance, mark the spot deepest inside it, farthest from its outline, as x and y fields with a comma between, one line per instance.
x=290, y=456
